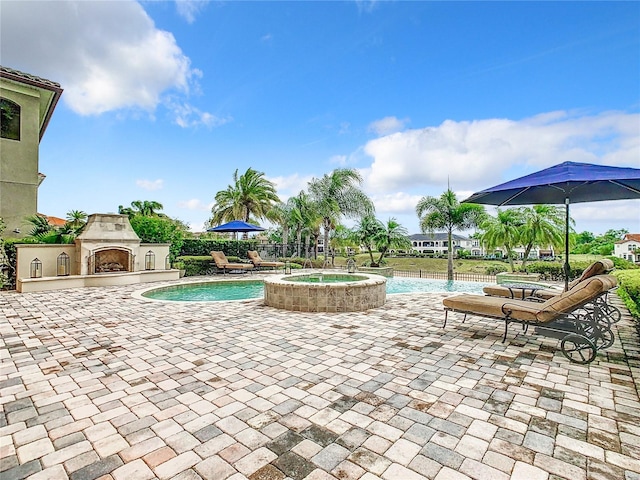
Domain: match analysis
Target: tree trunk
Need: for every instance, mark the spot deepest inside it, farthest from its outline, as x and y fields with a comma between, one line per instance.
x=326, y=224
x=298, y=242
x=383, y=251
x=450, y=257
x=511, y=260
x=371, y=256
x=285, y=239
x=527, y=251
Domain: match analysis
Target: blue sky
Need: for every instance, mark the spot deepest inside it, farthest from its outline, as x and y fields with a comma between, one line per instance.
x=165, y=100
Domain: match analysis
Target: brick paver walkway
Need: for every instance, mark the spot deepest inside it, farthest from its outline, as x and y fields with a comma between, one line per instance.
x=95, y=384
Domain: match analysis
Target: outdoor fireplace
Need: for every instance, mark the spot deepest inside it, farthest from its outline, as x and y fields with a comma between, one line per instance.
x=107, y=244
x=111, y=260
x=107, y=252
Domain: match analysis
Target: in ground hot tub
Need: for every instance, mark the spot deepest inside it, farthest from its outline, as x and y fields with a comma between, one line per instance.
x=325, y=292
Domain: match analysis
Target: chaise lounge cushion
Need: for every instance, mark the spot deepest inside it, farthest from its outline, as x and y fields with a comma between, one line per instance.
x=222, y=263
x=258, y=262
x=524, y=311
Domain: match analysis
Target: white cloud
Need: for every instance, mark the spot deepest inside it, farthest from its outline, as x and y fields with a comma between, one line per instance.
x=187, y=115
x=150, y=185
x=366, y=6
x=609, y=213
x=290, y=185
x=195, y=204
x=477, y=154
x=340, y=160
x=188, y=9
x=107, y=56
x=387, y=125
x=395, y=203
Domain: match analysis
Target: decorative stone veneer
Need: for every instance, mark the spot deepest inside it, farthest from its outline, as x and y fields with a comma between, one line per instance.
x=369, y=291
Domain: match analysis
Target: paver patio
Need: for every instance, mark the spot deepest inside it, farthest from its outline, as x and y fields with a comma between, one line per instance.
x=95, y=384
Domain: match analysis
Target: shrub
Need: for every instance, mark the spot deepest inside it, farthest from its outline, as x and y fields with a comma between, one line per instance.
x=622, y=264
x=4, y=261
x=495, y=269
x=201, y=264
x=159, y=230
x=12, y=256
x=555, y=271
x=204, y=246
x=629, y=290
x=299, y=262
x=196, y=265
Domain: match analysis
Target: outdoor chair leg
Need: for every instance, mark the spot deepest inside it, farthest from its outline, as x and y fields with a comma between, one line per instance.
x=506, y=327
x=446, y=312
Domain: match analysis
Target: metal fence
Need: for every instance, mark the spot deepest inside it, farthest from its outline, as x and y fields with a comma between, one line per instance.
x=465, y=277
x=274, y=251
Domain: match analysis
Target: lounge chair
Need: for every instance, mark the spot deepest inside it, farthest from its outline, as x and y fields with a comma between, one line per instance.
x=583, y=331
x=225, y=266
x=542, y=294
x=260, y=264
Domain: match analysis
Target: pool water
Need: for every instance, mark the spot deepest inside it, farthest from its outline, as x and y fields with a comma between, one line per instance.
x=243, y=290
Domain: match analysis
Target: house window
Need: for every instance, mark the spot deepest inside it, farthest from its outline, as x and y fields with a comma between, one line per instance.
x=9, y=119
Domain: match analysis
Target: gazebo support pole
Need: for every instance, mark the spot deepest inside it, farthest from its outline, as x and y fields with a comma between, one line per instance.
x=566, y=245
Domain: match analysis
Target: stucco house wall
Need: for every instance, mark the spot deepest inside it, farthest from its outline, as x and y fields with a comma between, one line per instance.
x=19, y=159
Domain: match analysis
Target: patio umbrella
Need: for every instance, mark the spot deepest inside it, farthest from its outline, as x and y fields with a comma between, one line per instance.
x=566, y=183
x=236, y=226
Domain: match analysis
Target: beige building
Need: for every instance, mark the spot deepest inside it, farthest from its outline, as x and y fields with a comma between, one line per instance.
x=26, y=105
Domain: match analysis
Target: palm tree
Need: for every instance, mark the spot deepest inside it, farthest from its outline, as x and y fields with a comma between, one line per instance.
x=43, y=232
x=40, y=225
x=543, y=225
x=338, y=194
x=341, y=237
x=503, y=231
x=280, y=214
x=366, y=233
x=304, y=217
x=250, y=195
x=446, y=213
x=76, y=219
x=392, y=235
x=146, y=208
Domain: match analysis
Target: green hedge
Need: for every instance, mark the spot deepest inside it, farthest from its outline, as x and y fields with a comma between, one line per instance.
x=202, y=264
x=629, y=290
x=204, y=246
x=554, y=271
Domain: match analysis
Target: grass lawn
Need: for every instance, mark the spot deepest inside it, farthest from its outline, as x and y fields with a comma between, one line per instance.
x=440, y=264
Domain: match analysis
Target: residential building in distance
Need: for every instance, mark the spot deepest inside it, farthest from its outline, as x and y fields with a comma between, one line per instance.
x=628, y=248
x=438, y=244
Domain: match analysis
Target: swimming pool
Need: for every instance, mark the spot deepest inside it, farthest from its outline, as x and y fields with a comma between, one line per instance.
x=248, y=289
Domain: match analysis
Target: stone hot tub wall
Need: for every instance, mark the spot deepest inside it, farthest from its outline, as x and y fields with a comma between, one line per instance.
x=356, y=296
